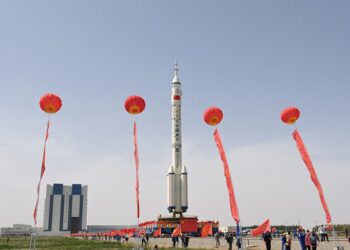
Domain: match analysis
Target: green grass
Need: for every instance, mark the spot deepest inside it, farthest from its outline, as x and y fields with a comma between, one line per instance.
x=64, y=243
x=59, y=243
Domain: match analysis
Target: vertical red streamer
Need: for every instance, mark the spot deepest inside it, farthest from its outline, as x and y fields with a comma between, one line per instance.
x=306, y=158
x=233, y=204
x=42, y=172
x=137, y=172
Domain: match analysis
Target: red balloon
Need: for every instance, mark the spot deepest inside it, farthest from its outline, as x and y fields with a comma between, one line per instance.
x=134, y=104
x=50, y=103
x=213, y=116
x=290, y=115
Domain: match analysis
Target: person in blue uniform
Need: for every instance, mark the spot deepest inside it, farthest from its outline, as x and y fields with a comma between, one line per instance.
x=301, y=237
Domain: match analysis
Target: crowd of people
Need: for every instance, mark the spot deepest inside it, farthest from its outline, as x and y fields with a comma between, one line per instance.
x=185, y=240
x=308, y=240
x=229, y=237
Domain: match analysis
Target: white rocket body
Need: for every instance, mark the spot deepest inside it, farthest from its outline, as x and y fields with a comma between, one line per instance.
x=177, y=175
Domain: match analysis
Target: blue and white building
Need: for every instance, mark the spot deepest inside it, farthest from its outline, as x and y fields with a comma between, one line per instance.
x=65, y=209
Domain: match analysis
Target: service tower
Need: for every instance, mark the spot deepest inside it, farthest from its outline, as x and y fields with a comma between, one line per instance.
x=177, y=174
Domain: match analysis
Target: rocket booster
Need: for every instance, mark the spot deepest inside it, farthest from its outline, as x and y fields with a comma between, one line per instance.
x=177, y=174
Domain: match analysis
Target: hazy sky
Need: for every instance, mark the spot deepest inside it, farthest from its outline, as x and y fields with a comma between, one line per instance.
x=251, y=58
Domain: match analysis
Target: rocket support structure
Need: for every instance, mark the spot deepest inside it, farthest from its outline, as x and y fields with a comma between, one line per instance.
x=177, y=174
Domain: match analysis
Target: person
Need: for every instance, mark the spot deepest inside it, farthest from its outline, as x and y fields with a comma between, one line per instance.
x=229, y=239
x=314, y=240
x=8, y=239
x=307, y=240
x=217, y=239
x=187, y=240
x=126, y=238
x=177, y=241
x=143, y=240
x=288, y=244
x=239, y=243
x=346, y=233
x=267, y=238
x=147, y=238
x=301, y=237
x=182, y=240
x=320, y=232
x=325, y=233
x=284, y=240
x=173, y=240
x=294, y=233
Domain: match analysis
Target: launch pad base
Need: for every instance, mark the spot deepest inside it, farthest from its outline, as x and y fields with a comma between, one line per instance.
x=188, y=223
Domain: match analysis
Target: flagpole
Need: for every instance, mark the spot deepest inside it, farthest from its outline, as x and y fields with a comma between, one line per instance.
x=241, y=236
x=335, y=237
x=138, y=234
x=33, y=239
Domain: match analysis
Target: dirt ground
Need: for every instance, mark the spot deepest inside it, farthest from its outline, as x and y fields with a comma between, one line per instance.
x=250, y=243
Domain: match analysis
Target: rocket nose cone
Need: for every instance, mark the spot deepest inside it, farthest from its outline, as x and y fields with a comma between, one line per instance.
x=171, y=170
x=183, y=170
x=176, y=79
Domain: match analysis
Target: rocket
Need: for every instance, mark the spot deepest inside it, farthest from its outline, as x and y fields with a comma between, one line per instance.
x=177, y=174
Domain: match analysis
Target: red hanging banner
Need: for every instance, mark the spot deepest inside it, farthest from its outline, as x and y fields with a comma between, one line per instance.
x=233, y=204
x=43, y=166
x=306, y=158
x=261, y=229
x=207, y=230
x=137, y=172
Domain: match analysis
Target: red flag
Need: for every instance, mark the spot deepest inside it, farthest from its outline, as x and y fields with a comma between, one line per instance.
x=140, y=232
x=43, y=166
x=137, y=172
x=207, y=229
x=130, y=231
x=158, y=232
x=262, y=228
x=176, y=232
x=233, y=204
x=306, y=158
